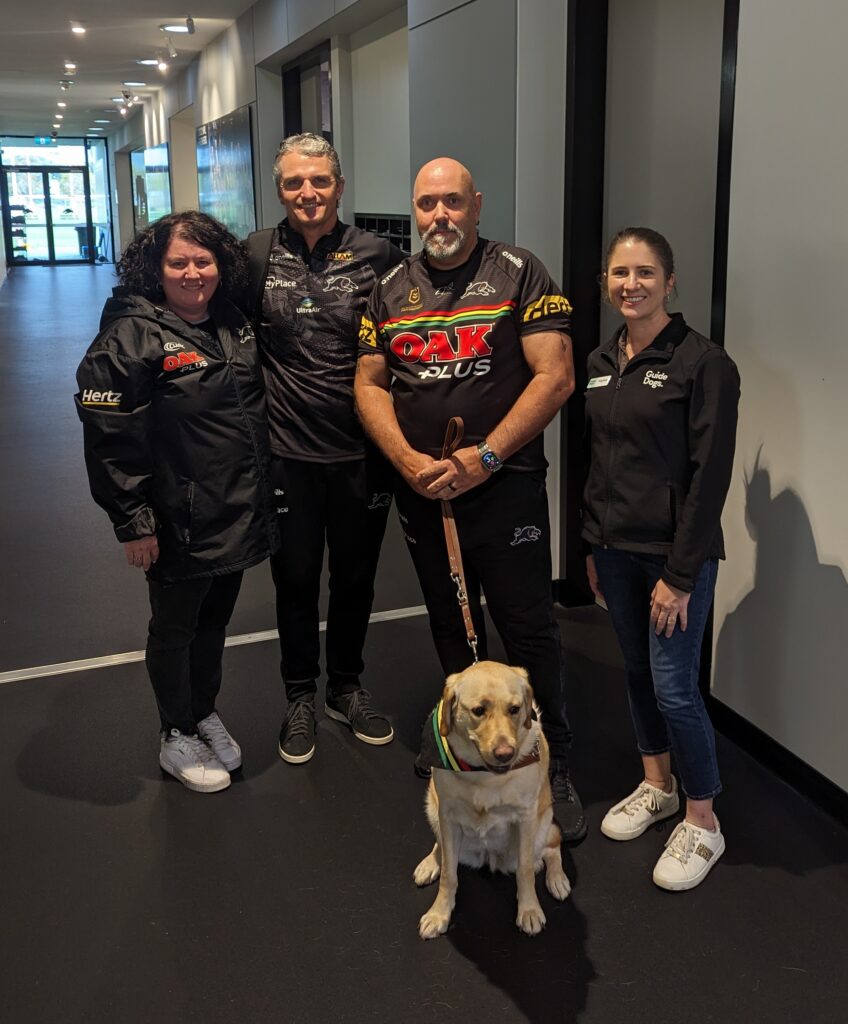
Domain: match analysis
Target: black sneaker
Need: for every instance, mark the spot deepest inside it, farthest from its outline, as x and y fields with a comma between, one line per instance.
x=568, y=810
x=354, y=709
x=297, y=734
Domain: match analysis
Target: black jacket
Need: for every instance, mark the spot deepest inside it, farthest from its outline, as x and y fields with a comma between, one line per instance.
x=661, y=442
x=176, y=439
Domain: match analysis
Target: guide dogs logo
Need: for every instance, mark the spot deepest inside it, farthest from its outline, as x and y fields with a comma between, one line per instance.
x=478, y=288
x=184, y=361
x=525, y=534
x=655, y=378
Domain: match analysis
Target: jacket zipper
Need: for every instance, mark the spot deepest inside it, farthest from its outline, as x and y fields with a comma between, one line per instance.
x=609, y=460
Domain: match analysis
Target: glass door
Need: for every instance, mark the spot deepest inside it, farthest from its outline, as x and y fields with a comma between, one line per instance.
x=49, y=216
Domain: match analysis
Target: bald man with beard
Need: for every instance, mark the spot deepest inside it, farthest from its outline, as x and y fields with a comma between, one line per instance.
x=474, y=328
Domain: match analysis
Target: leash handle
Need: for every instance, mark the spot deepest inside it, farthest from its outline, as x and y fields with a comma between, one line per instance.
x=453, y=437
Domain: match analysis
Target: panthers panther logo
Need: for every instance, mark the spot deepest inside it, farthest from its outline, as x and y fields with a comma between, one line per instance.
x=525, y=534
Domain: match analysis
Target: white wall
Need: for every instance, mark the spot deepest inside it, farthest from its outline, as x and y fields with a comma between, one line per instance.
x=663, y=92
x=782, y=602
x=183, y=159
x=380, y=173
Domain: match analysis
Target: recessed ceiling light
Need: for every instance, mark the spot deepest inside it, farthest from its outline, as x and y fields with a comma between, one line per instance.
x=61, y=104
x=117, y=99
x=59, y=116
x=149, y=61
x=179, y=27
x=97, y=129
x=70, y=66
x=78, y=28
x=134, y=85
x=102, y=120
x=56, y=124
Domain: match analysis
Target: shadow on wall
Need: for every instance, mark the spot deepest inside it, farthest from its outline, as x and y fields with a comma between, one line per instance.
x=780, y=656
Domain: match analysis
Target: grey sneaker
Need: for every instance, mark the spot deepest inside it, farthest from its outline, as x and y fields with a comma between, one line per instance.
x=213, y=733
x=297, y=734
x=688, y=857
x=188, y=759
x=635, y=814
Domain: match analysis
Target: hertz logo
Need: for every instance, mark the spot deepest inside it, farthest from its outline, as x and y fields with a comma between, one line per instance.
x=90, y=397
x=547, y=305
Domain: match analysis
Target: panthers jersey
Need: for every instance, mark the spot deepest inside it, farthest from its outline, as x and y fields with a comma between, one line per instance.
x=307, y=331
x=452, y=339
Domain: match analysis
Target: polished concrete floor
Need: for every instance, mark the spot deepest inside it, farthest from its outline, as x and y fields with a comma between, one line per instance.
x=289, y=897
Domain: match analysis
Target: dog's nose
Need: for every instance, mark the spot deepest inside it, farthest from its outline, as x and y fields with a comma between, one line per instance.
x=504, y=753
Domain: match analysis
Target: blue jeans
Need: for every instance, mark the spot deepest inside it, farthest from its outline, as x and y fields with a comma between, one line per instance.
x=662, y=673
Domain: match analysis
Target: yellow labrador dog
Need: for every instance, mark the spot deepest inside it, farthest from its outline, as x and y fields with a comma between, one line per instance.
x=489, y=798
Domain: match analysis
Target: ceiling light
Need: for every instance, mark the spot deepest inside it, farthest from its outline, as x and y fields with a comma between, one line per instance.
x=172, y=52
x=63, y=86
x=102, y=120
x=183, y=27
x=134, y=85
x=149, y=61
x=78, y=28
x=70, y=66
x=61, y=104
x=123, y=111
x=163, y=65
x=56, y=124
x=97, y=129
x=117, y=99
x=59, y=116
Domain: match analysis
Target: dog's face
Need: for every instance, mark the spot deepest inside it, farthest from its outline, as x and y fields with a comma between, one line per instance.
x=491, y=705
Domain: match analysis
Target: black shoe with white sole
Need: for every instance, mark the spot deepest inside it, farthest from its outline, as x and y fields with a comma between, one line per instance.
x=354, y=710
x=297, y=734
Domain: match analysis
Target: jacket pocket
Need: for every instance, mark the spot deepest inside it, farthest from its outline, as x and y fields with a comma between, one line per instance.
x=189, y=516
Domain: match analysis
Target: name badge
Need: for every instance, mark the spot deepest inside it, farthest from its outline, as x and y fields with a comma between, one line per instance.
x=599, y=382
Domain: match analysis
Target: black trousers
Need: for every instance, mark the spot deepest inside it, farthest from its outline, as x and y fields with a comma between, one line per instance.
x=185, y=644
x=504, y=535
x=343, y=507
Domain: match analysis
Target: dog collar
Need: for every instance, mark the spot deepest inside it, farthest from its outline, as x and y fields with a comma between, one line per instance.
x=436, y=751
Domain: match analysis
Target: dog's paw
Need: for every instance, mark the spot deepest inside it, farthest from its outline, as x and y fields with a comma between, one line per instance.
x=557, y=884
x=531, y=920
x=427, y=871
x=433, y=924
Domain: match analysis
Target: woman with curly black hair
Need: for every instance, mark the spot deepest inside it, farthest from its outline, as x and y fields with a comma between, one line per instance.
x=176, y=447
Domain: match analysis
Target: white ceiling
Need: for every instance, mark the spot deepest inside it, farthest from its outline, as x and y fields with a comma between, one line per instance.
x=36, y=40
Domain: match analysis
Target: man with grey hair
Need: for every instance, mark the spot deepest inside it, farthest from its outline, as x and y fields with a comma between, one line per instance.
x=476, y=329
x=310, y=278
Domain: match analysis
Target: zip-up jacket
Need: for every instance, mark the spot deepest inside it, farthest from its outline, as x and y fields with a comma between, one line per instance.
x=661, y=440
x=176, y=437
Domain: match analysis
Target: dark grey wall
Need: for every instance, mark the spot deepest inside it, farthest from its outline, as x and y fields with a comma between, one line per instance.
x=462, y=75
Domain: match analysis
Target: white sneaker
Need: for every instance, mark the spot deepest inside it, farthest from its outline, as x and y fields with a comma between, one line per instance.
x=188, y=759
x=644, y=807
x=688, y=856
x=222, y=745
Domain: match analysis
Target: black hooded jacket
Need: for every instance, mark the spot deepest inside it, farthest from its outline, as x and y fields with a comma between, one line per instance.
x=661, y=439
x=176, y=437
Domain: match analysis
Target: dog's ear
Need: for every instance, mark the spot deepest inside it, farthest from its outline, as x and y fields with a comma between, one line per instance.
x=448, y=705
x=527, y=696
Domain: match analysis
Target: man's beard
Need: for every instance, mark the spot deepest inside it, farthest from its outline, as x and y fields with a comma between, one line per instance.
x=439, y=248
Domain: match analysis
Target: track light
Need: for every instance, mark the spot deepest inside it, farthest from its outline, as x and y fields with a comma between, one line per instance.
x=172, y=51
x=180, y=27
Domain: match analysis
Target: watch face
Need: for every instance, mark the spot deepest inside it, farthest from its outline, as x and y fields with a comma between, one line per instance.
x=490, y=461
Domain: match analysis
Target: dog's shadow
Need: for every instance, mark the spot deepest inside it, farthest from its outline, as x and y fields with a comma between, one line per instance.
x=547, y=975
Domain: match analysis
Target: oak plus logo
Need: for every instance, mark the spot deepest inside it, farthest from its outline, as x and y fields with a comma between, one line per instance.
x=462, y=353
x=655, y=378
x=183, y=361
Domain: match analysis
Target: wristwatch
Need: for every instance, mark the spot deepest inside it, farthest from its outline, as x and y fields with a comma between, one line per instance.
x=488, y=458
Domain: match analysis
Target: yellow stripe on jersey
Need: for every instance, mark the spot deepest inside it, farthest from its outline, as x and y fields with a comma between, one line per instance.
x=547, y=305
x=367, y=333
